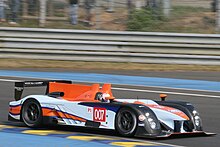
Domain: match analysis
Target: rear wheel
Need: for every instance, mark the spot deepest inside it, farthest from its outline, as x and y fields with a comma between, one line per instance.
x=126, y=122
x=32, y=113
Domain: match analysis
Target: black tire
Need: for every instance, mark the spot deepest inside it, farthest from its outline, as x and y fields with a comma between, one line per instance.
x=31, y=113
x=126, y=122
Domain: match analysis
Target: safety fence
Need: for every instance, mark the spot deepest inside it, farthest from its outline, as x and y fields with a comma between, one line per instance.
x=110, y=46
x=188, y=16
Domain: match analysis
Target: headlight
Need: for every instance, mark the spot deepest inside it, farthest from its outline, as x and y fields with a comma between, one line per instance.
x=150, y=119
x=152, y=123
x=147, y=114
x=197, y=120
x=195, y=112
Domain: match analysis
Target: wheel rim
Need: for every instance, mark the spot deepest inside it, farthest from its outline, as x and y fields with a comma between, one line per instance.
x=32, y=112
x=126, y=121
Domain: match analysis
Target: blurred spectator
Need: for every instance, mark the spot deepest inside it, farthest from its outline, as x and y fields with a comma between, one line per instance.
x=2, y=11
x=129, y=5
x=14, y=7
x=32, y=5
x=214, y=5
x=152, y=3
x=89, y=4
x=73, y=11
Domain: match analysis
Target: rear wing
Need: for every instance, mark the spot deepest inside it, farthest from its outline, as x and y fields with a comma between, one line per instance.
x=19, y=86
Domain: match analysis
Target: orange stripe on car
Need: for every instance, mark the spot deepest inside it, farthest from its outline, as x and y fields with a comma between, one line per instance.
x=51, y=112
x=171, y=110
x=15, y=109
x=165, y=108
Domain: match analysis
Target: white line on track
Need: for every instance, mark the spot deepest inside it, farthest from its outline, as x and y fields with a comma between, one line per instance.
x=8, y=80
x=166, y=92
x=141, y=90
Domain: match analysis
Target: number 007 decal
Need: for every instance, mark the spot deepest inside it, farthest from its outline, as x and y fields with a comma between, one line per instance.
x=99, y=114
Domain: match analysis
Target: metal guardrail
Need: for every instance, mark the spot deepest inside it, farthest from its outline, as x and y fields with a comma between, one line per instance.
x=111, y=46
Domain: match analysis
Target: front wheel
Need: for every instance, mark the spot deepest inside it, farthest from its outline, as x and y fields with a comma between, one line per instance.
x=126, y=122
x=32, y=113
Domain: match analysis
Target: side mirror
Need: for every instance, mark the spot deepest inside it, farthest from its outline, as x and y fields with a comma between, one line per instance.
x=163, y=97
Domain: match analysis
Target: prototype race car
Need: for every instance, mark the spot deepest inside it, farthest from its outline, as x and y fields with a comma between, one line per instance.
x=66, y=103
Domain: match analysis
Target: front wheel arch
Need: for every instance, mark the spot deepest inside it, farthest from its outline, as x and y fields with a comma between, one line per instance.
x=130, y=131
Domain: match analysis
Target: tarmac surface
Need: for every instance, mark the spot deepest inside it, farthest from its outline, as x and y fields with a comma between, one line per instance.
x=206, y=102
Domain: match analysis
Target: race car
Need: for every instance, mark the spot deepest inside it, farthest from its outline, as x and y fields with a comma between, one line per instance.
x=92, y=106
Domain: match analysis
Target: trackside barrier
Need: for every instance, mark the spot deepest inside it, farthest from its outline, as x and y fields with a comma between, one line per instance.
x=110, y=46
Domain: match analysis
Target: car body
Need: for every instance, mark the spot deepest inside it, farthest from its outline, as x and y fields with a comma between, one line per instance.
x=65, y=103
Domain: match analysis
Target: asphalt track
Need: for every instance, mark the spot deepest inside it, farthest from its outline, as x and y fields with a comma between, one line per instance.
x=207, y=103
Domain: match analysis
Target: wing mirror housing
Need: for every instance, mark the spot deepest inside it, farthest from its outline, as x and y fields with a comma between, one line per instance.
x=163, y=97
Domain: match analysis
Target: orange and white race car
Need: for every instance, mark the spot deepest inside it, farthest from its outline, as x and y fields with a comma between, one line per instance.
x=65, y=103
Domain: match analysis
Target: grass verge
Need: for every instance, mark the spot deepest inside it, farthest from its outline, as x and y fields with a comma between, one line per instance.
x=76, y=65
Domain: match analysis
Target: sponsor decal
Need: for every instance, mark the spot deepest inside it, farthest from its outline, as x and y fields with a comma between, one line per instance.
x=141, y=117
x=99, y=114
x=174, y=111
x=33, y=83
x=87, y=95
x=89, y=110
x=141, y=124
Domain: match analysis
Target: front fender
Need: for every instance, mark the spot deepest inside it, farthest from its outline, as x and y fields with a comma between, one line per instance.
x=188, y=109
x=145, y=117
